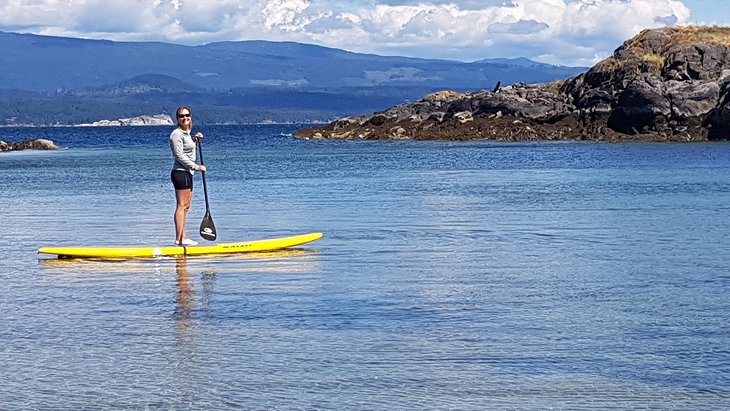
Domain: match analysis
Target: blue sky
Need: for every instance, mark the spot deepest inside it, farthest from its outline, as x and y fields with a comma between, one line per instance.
x=710, y=11
x=566, y=32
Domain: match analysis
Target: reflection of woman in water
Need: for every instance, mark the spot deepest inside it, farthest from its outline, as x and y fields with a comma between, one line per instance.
x=185, y=300
x=185, y=296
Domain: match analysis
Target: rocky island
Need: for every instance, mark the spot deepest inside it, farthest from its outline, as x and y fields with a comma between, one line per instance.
x=668, y=84
x=37, y=144
x=147, y=120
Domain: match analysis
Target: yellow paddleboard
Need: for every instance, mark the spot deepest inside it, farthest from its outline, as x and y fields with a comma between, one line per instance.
x=148, y=252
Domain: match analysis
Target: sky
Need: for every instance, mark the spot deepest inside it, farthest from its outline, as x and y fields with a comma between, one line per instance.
x=562, y=32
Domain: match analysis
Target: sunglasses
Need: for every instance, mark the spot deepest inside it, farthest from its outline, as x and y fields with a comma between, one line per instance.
x=183, y=115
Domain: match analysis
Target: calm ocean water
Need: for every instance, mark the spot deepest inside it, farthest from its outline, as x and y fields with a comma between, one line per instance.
x=478, y=275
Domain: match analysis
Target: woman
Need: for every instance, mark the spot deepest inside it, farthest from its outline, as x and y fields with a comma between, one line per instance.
x=183, y=150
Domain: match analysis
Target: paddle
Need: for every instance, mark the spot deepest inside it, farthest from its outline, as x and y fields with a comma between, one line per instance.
x=207, y=228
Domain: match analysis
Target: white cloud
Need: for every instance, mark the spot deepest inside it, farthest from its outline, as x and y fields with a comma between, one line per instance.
x=286, y=15
x=553, y=31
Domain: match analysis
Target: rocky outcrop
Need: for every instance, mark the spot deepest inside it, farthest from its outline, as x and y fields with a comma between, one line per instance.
x=670, y=84
x=154, y=120
x=37, y=144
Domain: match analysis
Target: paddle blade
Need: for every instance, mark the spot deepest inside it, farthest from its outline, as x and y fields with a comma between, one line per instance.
x=207, y=228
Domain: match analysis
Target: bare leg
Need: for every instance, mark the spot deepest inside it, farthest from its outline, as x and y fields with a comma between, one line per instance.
x=183, y=198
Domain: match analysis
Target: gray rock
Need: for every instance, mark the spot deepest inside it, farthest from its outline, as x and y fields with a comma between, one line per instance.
x=669, y=84
x=37, y=144
x=151, y=120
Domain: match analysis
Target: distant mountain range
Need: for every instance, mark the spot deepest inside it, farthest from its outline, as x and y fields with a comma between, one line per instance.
x=53, y=80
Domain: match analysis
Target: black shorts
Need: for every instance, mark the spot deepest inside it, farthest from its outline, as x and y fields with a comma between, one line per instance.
x=181, y=179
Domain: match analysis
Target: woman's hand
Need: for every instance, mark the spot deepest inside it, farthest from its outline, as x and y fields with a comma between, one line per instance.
x=198, y=136
x=202, y=168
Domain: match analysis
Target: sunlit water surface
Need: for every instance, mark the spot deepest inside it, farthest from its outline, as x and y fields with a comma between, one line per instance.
x=478, y=275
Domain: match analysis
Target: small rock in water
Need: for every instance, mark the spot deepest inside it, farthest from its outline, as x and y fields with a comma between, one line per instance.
x=37, y=144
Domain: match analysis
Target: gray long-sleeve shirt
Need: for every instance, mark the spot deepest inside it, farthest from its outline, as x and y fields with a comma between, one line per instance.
x=183, y=150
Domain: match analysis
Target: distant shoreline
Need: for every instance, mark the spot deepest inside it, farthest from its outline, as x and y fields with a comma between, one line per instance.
x=263, y=123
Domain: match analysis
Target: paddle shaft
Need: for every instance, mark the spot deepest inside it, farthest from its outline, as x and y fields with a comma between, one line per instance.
x=205, y=187
x=207, y=228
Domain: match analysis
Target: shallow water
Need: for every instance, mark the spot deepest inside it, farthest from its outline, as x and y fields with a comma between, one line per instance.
x=451, y=275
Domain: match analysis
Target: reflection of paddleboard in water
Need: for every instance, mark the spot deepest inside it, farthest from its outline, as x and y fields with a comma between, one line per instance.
x=147, y=252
